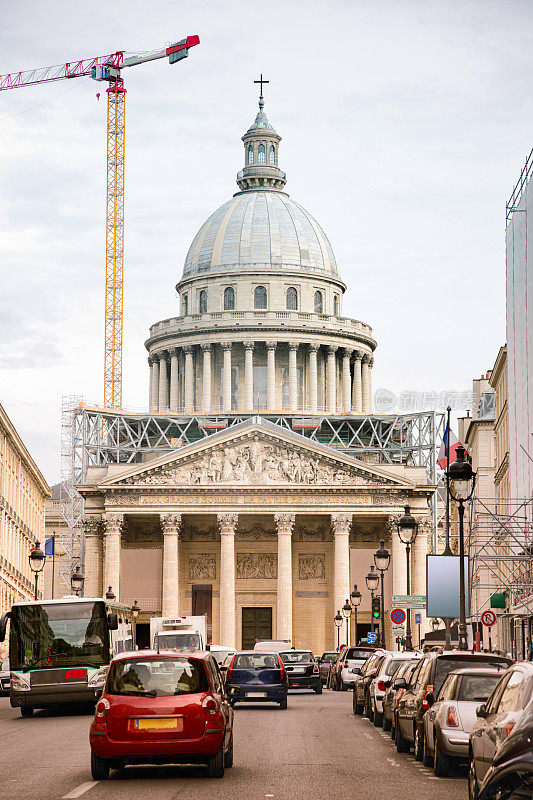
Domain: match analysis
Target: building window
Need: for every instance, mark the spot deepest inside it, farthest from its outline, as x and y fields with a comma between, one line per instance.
x=260, y=388
x=250, y=155
x=292, y=299
x=202, y=302
x=229, y=299
x=184, y=304
x=260, y=297
x=335, y=305
x=319, y=303
x=261, y=154
x=272, y=156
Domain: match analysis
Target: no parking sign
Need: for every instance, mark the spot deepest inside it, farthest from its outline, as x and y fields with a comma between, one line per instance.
x=397, y=616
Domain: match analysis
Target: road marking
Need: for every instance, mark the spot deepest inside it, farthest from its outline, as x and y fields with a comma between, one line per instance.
x=84, y=787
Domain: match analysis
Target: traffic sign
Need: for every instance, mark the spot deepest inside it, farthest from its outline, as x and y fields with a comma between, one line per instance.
x=398, y=630
x=371, y=638
x=418, y=619
x=408, y=601
x=397, y=616
x=488, y=618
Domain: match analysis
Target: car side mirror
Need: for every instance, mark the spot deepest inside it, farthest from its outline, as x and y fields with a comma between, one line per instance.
x=356, y=670
x=223, y=668
x=430, y=699
x=481, y=711
x=399, y=683
x=112, y=621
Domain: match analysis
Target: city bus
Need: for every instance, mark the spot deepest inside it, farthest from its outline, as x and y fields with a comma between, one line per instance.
x=59, y=650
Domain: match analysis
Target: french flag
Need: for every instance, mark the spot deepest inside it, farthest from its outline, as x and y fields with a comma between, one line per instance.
x=453, y=444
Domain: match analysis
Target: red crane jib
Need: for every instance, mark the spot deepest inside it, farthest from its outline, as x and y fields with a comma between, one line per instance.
x=72, y=69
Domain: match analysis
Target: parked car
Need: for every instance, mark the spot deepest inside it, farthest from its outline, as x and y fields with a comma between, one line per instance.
x=496, y=719
x=379, y=685
x=5, y=677
x=511, y=773
x=302, y=670
x=253, y=677
x=342, y=676
x=400, y=683
x=324, y=662
x=427, y=679
x=168, y=707
x=363, y=677
x=452, y=715
x=272, y=645
x=221, y=653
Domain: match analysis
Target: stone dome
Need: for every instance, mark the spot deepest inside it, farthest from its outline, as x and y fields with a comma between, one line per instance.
x=260, y=229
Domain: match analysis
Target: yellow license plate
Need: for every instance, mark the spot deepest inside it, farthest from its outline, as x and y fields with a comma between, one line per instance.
x=156, y=724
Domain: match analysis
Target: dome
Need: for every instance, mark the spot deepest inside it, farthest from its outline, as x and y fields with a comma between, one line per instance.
x=260, y=229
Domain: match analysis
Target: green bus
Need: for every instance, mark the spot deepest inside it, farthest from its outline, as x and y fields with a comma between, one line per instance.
x=59, y=650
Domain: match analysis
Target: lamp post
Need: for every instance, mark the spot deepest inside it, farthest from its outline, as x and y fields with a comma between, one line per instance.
x=77, y=580
x=347, y=613
x=435, y=624
x=36, y=559
x=110, y=594
x=382, y=561
x=461, y=480
x=135, y=609
x=407, y=531
x=372, y=583
x=337, y=619
x=355, y=600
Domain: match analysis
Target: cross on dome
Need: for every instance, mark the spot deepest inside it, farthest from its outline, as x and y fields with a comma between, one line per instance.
x=261, y=81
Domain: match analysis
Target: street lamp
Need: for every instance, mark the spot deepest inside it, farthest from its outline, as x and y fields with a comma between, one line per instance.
x=355, y=600
x=372, y=583
x=382, y=561
x=347, y=613
x=77, y=580
x=461, y=480
x=36, y=559
x=435, y=623
x=110, y=595
x=135, y=609
x=407, y=531
x=337, y=619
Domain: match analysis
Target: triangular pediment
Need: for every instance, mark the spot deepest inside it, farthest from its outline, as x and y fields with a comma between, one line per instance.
x=256, y=453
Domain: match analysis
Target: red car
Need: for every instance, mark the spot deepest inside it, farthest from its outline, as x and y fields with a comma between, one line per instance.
x=162, y=708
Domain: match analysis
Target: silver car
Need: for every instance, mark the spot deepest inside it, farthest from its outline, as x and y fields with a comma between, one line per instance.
x=450, y=719
x=5, y=677
x=384, y=678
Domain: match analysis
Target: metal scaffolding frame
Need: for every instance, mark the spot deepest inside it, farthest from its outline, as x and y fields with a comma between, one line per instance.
x=71, y=505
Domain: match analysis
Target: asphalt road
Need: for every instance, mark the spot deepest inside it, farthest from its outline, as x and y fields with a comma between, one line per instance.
x=314, y=749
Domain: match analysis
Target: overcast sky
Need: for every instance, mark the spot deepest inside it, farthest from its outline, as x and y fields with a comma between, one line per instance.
x=404, y=125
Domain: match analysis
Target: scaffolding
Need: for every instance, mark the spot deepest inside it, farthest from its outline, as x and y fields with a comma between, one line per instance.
x=70, y=545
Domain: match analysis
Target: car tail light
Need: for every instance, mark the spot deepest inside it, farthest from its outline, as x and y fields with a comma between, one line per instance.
x=425, y=704
x=281, y=669
x=229, y=673
x=451, y=718
x=316, y=670
x=210, y=705
x=381, y=686
x=509, y=727
x=102, y=707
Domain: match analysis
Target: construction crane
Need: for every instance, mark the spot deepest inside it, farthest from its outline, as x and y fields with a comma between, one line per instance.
x=108, y=68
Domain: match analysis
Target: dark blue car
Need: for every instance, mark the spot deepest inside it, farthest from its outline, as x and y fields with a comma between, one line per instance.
x=254, y=677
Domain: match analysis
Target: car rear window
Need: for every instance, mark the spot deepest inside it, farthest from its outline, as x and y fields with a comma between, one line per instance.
x=355, y=652
x=256, y=661
x=477, y=687
x=393, y=666
x=329, y=658
x=157, y=678
x=295, y=657
x=446, y=664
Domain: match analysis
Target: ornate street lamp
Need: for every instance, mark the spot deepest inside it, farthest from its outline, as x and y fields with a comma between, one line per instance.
x=461, y=480
x=435, y=623
x=382, y=561
x=37, y=559
x=337, y=619
x=355, y=600
x=110, y=595
x=372, y=583
x=347, y=613
x=135, y=610
x=407, y=531
x=77, y=580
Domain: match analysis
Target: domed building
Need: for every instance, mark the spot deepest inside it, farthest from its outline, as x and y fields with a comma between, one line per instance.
x=223, y=506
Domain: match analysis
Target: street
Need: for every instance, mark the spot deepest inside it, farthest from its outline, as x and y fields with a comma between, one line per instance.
x=316, y=748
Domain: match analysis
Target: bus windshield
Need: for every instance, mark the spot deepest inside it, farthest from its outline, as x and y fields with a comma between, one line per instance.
x=58, y=635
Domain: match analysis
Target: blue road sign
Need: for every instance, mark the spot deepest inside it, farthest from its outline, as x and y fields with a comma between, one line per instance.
x=371, y=638
x=418, y=619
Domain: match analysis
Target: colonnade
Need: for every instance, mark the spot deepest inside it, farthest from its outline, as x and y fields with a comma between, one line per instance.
x=348, y=374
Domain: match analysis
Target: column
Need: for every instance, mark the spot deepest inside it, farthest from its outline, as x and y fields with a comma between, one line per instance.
x=313, y=378
x=364, y=383
x=92, y=530
x=271, y=375
x=248, y=376
x=155, y=384
x=418, y=569
x=331, y=380
x=163, y=381
x=226, y=381
x=293, y=377
x=113, y=532
x=170, y=525
x=341, y=524
x=150, y=398
x=189, y=379
x=346, y=380
x=370, y=395
x=206, y=377
x=174, y=389
x=357, y=394
x=284, y=526
x=398, y=558
x=227, y=524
